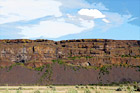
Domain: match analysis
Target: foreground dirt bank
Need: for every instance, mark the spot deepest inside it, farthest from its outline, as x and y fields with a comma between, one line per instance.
x=67, y=75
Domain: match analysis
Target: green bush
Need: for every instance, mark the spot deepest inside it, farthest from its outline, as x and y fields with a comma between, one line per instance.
x=87, y=57
x=58, y=61
x=104, y=70
x=73, y=58
x=54, y=61
x=40, y=68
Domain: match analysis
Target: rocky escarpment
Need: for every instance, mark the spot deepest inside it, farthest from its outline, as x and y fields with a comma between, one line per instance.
x=68, y=61
x=84, y=52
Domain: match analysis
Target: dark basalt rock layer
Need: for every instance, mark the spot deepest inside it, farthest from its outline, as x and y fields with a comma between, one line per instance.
x=84, y=61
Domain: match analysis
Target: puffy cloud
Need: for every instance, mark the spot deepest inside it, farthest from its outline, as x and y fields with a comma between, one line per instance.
x=54, y=29
x=17, y=10
x=94, y=13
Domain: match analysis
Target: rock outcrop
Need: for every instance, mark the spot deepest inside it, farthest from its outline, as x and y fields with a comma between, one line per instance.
x=84, y=52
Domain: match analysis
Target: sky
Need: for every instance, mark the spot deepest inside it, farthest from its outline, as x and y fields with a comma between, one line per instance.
x=70, y=19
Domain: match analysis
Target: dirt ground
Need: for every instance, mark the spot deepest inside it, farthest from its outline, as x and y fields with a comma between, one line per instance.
x=66, y=75
x=62, y=89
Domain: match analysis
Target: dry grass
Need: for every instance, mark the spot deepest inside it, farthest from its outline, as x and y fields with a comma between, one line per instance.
x=62, y=89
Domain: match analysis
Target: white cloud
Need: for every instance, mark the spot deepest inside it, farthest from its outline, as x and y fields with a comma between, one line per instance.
x=114, y=20
x=106, y=21
x=117, y=19
x=80, y=21
x=73, y=4
x=94, y=13
x=99, y=6
x=17, y=10
x=54, y=29
x=57, y=26
x=86, y=23
x=77, y=4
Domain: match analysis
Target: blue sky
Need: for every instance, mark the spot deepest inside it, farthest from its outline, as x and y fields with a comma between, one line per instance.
x=70, y=19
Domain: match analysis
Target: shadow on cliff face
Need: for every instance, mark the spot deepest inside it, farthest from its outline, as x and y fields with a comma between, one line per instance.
x=138, y=43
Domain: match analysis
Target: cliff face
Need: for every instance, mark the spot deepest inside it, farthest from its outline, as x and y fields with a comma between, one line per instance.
x=85, y=61
x=84, y=52
x=100, y=52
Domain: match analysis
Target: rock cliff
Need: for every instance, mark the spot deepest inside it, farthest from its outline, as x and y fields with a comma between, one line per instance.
x=84, y=52
x=68, y=61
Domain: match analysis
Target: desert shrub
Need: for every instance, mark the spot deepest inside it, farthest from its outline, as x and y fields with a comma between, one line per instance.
x=37, y=91
x=130, y=89
x=53, y=89
x=21, y=64
x=97, y=91
x=138, y=68
x=39, y=68
x=136, y=86
x=92, y=88
x=47, y=74
x=104, y=70
x=75, y=68
x=50, y=86
x=19, y=91
x=137, y=56
x=54, y=61
x=73, y=58
x=76, y=86
x=1, y=67
x=72, y=91
x=121, y=88
x=10, y=67
x=49, y=91
x=82, y=87
x=86, y=86
x=20, y=88
x=87, y=57
x=125, y=55
x=87, y=91
x=46, y=91
x=58, y=61
x=7, y=91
